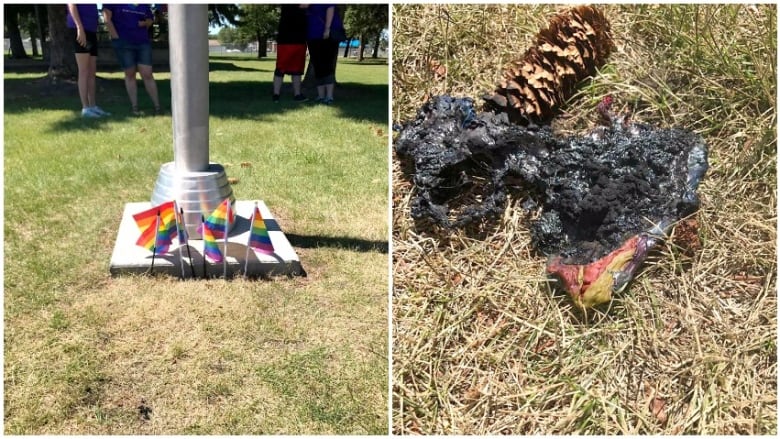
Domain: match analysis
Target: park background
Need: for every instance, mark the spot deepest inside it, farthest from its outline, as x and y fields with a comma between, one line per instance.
x=87, y=353
x=483, y=343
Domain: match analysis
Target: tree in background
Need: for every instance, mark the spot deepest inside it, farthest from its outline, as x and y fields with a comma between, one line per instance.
x=13, y=14
x=233, y=38
x=30, y=24
x=223, y=14
x=62, y=63
x=367, y=23
x=258, y=22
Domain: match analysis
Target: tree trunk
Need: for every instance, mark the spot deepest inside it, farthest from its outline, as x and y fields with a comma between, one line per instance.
x=262, y=46
x=41, y=34
x=362, y=48
x=375, y=53
x=346, y=49
x=33, y=37
x=12, y=22
x=62, y=63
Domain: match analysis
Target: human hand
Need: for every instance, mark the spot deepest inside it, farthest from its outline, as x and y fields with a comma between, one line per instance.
x=326, y=34
x=81, y=38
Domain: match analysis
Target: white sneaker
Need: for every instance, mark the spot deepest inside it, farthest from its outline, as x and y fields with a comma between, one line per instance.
x=100, y=111
x=89, y=112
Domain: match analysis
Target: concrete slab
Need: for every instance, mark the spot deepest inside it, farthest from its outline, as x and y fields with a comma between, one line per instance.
x=130, y=258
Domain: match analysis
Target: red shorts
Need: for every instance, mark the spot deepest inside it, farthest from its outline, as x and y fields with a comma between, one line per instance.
x=290, y=59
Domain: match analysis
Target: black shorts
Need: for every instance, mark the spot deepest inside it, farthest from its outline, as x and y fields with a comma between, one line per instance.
x=91, y=42
x=322, y=52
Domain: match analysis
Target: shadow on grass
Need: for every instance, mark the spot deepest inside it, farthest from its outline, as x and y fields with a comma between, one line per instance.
x=347, y=243
x=217, y=65
x=234, y=99
x=242, y=225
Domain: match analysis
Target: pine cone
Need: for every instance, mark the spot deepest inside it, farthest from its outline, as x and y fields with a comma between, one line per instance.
x=574, y=45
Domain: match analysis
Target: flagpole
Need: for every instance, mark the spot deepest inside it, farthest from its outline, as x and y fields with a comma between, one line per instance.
x=246, y=257
x=154, y=247
x=227, y=227
x=203, y=232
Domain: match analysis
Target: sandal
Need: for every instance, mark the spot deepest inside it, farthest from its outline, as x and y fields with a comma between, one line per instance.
x=136, y=112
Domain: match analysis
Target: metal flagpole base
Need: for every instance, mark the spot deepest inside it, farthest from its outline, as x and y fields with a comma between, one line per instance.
x=129, y=258
x=197, y=192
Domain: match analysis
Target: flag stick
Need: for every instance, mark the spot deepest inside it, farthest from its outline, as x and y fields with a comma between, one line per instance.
x=189, y=255
x=154, y=247
x=249, y=240
x=203, y=232
x=227, y=227
x=178, y=233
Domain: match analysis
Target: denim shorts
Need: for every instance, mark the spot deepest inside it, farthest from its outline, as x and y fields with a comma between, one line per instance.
x=131, y=55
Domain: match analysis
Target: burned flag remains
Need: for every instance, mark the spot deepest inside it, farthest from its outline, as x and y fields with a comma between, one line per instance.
x=605, y=198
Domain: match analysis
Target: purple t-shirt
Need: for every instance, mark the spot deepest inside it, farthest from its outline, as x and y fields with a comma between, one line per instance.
x=126, y=18
x=88, y=15
x=316, y=20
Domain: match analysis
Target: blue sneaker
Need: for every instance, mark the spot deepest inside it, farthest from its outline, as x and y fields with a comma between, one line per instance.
x=89, y=113
x=100, y=111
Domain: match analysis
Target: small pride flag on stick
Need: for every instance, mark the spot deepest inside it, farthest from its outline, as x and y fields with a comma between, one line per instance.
x=210, y=246
x=259, y=239
x=156, y=237
x=219, y=221
x=166, y=211
x=219, y=224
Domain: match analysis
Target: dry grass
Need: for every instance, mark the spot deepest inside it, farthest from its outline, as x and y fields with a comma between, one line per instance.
x=481, y=343
x=86, y=353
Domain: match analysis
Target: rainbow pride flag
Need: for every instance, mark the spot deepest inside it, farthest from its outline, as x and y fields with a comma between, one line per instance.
x=148, y=217
x=258, y=234
x=217, y=221
x=181, y=228
x=156, y=238
x=210, y=245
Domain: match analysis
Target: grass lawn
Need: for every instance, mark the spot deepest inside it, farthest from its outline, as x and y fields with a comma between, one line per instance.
x=483, y=345
x=90, y=354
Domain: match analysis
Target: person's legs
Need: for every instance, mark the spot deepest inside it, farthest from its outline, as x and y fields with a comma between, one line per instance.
x=82, y=60
x=132, y=87
x=296, y=83
x=126, y=55
x=92, y=82
x=82, y=54
x=145, y=68
x=332, y=50
x=329, y=91
x=322, y=54
x=278, y=79
x=321, y=65
x=150, y=84
x=296, y=67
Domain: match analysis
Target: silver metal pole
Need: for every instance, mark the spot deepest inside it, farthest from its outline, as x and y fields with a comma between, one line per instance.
x=196, y=184
x=189, y=59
